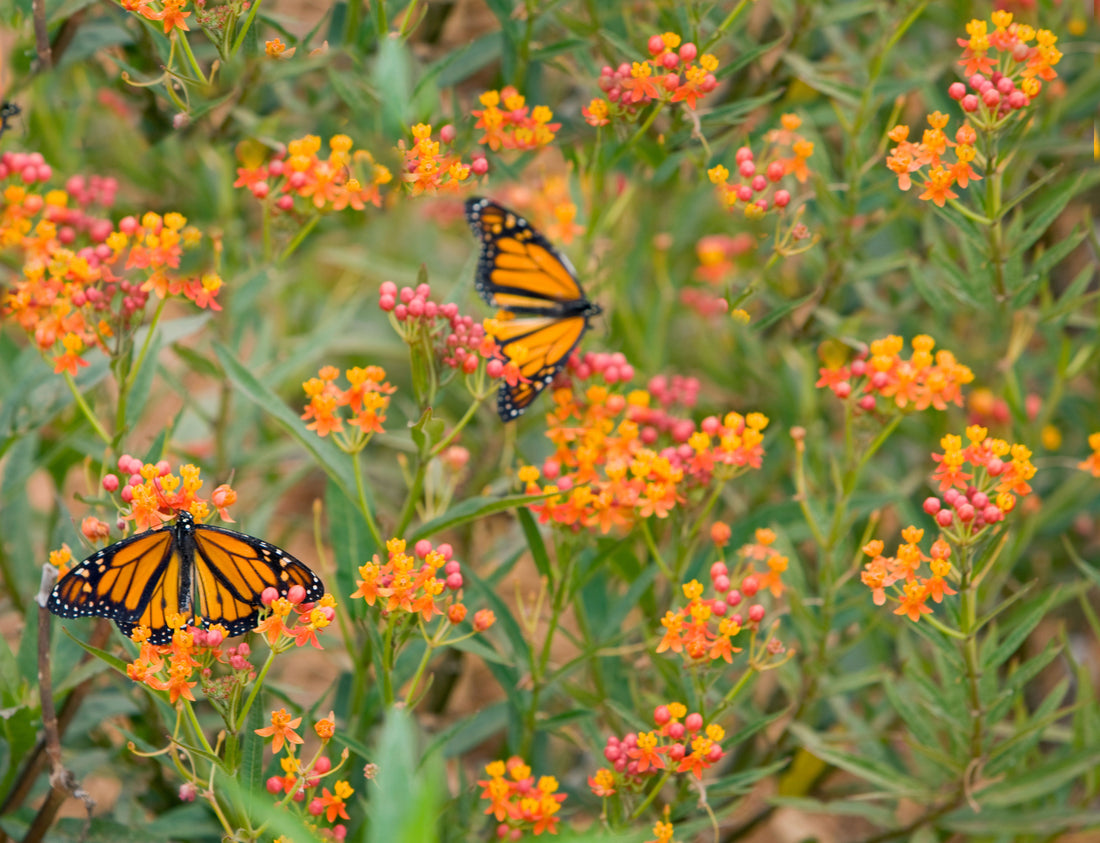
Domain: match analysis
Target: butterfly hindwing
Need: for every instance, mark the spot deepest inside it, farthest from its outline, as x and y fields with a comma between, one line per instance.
x=144, y=579
x=520, y=272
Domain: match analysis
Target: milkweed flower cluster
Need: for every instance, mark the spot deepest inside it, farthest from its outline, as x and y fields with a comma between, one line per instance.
x=670, y=74
x=517, y=802
x=366, y=400
x=1004, y=73
x=509, y=123
x=703, y=630
x=922, y=381
x=1091, y=463
x=192, y=656
x=980, y=484
x=908, y=158
x=755, y=183
x=609, y=468
x=427, y=582
x=151, y=494
x=343, y=179
x=1012, y=75
x=169, y=13
x=457, y=341
x=70, y=300
x=303, y=781
x=430, y=168
x=680, y=743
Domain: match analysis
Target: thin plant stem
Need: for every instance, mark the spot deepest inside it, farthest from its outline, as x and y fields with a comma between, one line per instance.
x=299, y=237
x=364, y=506
x=87, y=411
x=256, y=685
x=239, y=40
x=191, y=60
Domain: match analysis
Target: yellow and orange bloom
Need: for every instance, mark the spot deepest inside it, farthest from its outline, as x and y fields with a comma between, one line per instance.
x=345, y=178
x=509, y=123
x=366, y=399
x=606, y=471
x=517, y=801
x=1091, y=463
x=916, y=383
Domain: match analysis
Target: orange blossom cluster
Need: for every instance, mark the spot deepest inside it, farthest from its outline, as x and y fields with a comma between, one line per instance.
x=924, y=380
x=670, y=74
x=517, y=802
x=785, y=155
x=344, y=179
x=620, y=458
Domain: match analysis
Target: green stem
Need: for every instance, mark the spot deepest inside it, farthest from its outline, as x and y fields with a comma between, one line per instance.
x=239, y=40
x=462, y=422
x=303, y=232
x=410, y=695
x=968, y=616
x=387, y=664
x=88, y=414
x=538, y=667
x=185, y=44
x=647, y=534
x=407, y=20
x=724, y=25
x=364, y=506
x=851, y=479
x=193, y=720
x=255, y=690
x=651, y=795
x=994, y=187
x=380, y=25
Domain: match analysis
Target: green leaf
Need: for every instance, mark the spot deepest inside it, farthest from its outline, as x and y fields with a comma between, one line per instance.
x=331, y=459
x=889, y=779
x=534, y=540
x=807, y=72
x=458, y=65
x=251, y=773
x=392, y=74
x=878, y=815
x=1033, y=782
x=468, y=732
x=1014, y=822
x=472, y=509
x=1021, y=625
x=1046, y=209
x=407, y=794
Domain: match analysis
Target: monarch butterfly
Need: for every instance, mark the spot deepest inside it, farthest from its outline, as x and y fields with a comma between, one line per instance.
x=143, y=579
x=518, y=271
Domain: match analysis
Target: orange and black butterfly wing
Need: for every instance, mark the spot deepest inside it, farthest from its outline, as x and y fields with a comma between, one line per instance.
x=518, y=270
x=138, y=580
x=232, y=570
x=540, y=347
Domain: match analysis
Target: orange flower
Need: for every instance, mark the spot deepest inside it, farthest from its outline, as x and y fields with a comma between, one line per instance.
x=282, y=731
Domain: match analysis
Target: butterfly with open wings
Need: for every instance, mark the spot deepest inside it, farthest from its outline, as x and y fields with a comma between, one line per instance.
x=521, y=273
x=147, y=578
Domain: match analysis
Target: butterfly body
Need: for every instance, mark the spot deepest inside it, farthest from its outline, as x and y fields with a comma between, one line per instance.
x=535, y=285
x=146, y=578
